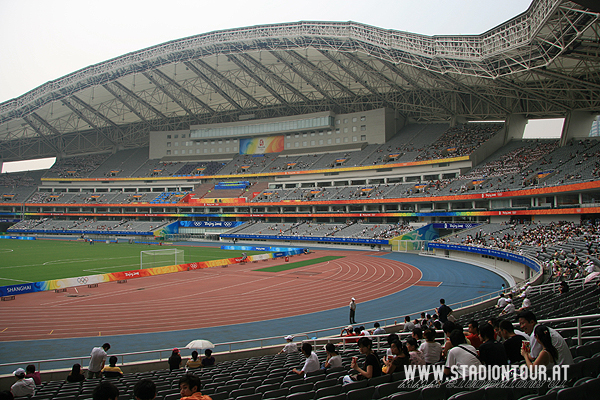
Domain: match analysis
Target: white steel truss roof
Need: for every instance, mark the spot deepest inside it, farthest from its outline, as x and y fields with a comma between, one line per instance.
x=542, y=63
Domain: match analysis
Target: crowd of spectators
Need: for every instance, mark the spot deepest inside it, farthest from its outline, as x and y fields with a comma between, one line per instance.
x=459, y=141
x=75, y=167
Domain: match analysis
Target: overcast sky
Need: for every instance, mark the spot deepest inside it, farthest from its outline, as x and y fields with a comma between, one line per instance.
x=43, y=40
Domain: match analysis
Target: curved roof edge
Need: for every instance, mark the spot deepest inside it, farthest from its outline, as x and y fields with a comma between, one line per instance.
x=392, y=44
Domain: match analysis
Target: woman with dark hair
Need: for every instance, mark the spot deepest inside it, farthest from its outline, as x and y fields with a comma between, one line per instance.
x=400, y=357
x=194, y=362
x=175, y=360
x=548, y=355
x=416, y=357
x=76, y=375
x=372, y=367
x=333, y=360
x=432, y=350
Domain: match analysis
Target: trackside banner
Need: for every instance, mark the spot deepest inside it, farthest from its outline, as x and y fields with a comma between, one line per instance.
x=79, y=232
x=18, y=237
x=489, y=252
x=117, y=276
x=308, y=238
x=291, y=250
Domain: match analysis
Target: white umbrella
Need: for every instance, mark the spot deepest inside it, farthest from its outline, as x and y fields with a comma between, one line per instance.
x=591, y=276
x=200, y=344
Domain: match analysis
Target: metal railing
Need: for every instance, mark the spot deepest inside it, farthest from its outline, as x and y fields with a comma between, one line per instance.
x=163, y=354
x=229, y=347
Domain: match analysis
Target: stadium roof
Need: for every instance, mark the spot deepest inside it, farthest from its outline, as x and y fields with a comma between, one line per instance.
x=542, y=63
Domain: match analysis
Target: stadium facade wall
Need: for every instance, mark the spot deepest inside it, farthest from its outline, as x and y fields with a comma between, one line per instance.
x=373, y=127
x=517, y=266
x=491, y=146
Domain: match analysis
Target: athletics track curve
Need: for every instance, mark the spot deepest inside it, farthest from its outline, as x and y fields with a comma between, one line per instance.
x=226, y=304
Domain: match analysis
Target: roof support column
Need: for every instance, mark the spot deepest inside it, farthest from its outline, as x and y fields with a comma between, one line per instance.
x=577, y=125
x=514, y=128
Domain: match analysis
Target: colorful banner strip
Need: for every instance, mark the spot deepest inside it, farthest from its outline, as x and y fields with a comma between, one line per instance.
x=117, y=276
x=307, y=238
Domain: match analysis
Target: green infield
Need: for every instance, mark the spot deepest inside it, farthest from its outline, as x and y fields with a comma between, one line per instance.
x=287, y=266
x=23, y=261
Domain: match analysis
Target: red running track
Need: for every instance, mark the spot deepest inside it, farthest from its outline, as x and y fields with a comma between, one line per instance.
x=208, y=297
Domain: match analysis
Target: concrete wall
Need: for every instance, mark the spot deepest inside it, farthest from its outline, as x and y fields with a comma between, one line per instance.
x=517, y=271
x=373, y=127
x=489, y=148
x=577, y=125
x=515, y=127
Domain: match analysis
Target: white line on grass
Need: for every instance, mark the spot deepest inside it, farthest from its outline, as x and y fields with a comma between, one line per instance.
x=16, y=280
x=6, y=250
x=112, y=267
x=77, y=260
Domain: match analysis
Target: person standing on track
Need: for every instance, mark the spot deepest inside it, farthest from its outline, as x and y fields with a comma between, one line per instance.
x=352, y=311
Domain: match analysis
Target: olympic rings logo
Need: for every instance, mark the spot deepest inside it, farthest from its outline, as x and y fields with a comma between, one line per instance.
x=83, y=280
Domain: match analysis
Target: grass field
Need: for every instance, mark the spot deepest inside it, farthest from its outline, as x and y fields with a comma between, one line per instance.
x=23, y=261
x=286, y=266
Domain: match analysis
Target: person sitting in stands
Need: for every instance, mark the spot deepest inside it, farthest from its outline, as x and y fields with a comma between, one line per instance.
x=501, y=302
x=175, y=360
x=432, y=350
x=189, y=388
x=548, y=355
x=528, y=323
x=378, y=329
x=390, y=339
x=461, y=354
x=144, y=389
x=400, y=357
x=312, y=360
x=408, y=325
x=33, y=374
x=474, y=334
x=112, y=371
x=290, y=346
x=208, y=360
x=526, y=305
x=76, y=375
x=334, y=360
x=347, y=332
x=23, y=386
x=448, y=327
x=105, y=390
x=416, y=357
x=512, y=341
x=509, y=309
x=194, y=362
x=371, y=368
x=417, y=334
x=491, y=352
